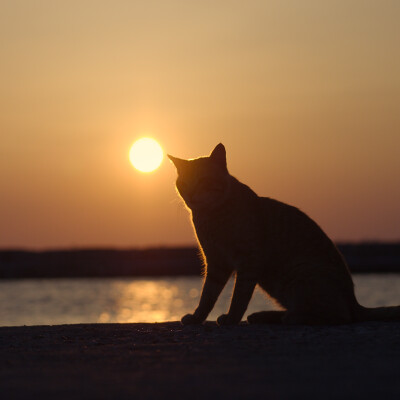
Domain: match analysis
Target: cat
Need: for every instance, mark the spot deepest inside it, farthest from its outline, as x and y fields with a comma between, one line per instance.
x=265, y=242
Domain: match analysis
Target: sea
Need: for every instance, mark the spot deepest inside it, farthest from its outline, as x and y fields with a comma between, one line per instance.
x=127, y=300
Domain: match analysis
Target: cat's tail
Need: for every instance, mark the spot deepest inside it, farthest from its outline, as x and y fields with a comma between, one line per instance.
x=377, y=314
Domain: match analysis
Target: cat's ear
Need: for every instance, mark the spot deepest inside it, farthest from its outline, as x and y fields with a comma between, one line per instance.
x=178, y=162
x=218, y=155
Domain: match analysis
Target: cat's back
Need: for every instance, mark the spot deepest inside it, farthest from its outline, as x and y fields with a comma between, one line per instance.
x=286, y=218
x=291, y=232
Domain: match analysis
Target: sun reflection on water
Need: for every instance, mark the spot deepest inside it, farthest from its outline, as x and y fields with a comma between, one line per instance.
x=111, y=300
x=147, y=301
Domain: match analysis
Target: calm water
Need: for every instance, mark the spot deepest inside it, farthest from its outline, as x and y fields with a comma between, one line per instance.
x=72, y=301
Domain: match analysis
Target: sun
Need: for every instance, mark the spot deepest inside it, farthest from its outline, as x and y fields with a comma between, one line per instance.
x=146, y=154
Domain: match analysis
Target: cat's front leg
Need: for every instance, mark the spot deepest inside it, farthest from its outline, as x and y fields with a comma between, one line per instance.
x=213, y=285
x=244, y=288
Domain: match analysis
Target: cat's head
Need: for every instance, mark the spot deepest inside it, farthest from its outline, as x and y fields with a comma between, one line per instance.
x=204, y=182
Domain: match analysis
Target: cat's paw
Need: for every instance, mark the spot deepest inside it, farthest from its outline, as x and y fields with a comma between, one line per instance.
x=191, y=319
x=226, y=319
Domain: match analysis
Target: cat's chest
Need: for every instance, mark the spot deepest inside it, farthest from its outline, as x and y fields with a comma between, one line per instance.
x=231, y=237
x=223, y=229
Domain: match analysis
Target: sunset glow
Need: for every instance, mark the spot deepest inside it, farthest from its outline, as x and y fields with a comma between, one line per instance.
x=304, y=95
x=146, y=155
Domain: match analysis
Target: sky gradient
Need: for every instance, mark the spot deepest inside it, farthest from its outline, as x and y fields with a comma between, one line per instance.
x=304, y=95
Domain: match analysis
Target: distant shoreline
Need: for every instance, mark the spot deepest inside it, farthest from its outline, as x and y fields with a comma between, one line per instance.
x=162, y=261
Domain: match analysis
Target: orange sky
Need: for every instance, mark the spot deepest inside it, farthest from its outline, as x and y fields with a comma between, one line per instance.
x=304, y=95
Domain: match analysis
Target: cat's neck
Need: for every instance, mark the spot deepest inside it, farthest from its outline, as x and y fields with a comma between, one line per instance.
x=240, y=191
x=239, y=195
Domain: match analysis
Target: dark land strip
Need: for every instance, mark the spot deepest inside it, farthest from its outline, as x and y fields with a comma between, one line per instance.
x=168, y=261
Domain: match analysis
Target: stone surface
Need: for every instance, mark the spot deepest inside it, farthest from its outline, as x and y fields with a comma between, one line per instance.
x=170, y=361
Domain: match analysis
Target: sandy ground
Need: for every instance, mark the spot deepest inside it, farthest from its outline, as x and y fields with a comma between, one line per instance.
x=169, y=361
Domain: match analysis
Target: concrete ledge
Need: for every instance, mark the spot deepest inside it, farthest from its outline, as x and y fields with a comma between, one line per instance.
x=167, y=360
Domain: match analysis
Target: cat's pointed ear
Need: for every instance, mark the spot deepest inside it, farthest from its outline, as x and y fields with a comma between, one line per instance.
x=178, y=162
x=218, y=155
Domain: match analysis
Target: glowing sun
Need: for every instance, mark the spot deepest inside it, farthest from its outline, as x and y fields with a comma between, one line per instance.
x=146, y=154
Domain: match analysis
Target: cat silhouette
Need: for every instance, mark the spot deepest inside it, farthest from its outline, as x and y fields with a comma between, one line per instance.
x=265, y=242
